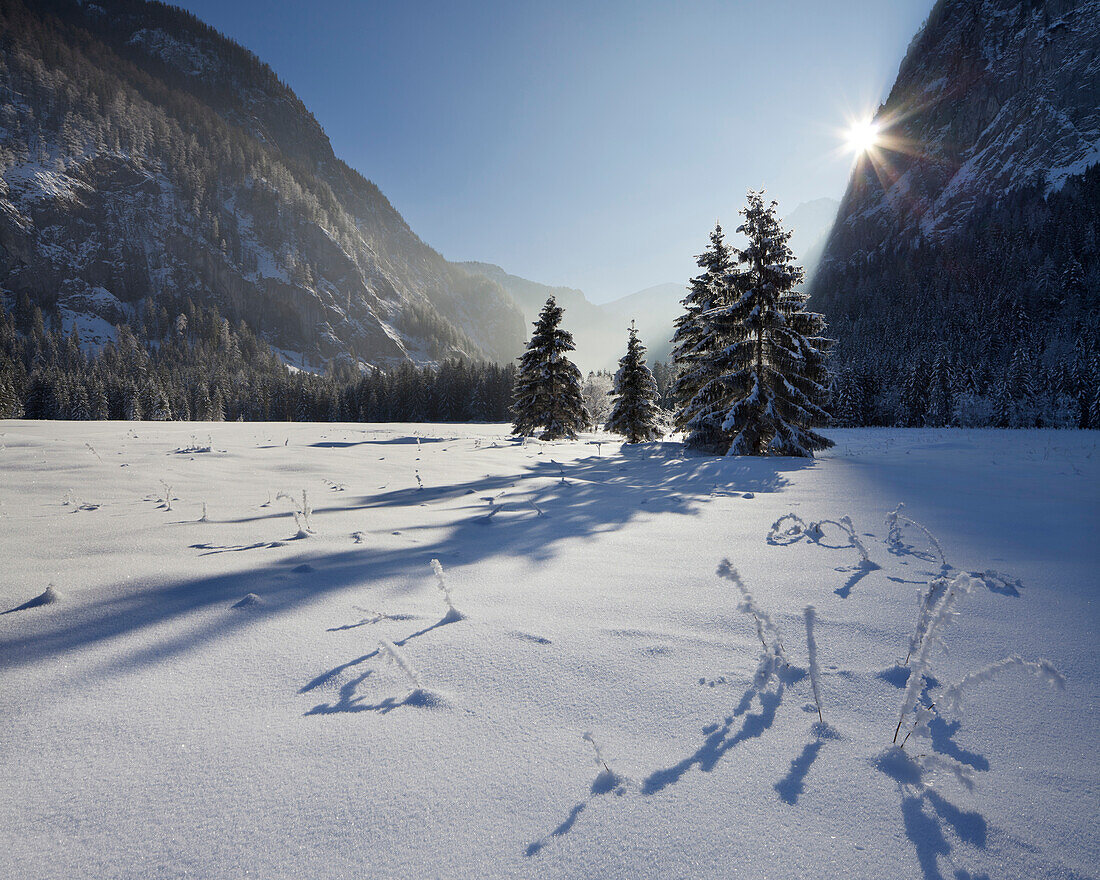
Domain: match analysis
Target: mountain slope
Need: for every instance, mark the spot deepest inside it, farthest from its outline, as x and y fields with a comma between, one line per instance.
x=962, y=277
x=145, y=155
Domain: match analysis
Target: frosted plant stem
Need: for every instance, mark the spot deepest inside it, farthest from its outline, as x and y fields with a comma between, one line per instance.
x=811, y=647
x=453, y=614
x=942, y=614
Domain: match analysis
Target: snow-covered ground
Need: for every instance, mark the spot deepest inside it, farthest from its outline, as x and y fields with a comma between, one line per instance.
x=590, y=711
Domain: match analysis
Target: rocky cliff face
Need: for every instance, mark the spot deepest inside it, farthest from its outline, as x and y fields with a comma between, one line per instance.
x=993, y=96
x=144, y=155
x=962, y=276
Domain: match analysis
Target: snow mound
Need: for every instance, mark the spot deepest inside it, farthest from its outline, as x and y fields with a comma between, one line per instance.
x=248, y=601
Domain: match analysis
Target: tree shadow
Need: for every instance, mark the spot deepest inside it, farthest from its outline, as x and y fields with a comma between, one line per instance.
x=605, y=496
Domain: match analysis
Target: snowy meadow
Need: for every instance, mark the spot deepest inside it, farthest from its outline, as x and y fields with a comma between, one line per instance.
x=323, y=650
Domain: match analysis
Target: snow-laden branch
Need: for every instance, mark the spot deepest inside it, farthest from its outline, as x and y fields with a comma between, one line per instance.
x=942, y=614
x=949, y=700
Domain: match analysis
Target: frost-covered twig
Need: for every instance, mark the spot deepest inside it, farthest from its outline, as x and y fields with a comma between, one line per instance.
x=72, y=500
x=302, y=514
x=811, y=648
x=167, y=495
x=942, y=614
x=998, y=581
x=845, y=522
x=591, y=740
x=196, y=446
x=203, y=517
x=927, y=603
x=607, y=780
x=949, y=700
x=790, y=528
x=494, y=508
x=934, y=763
x=453, y=613
x=92, y=449
x=895, y=521
x=787, y=529
x=561, y=472
x=773, y=658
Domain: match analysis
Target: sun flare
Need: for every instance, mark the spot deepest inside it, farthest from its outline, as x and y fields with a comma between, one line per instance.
x=862, y=136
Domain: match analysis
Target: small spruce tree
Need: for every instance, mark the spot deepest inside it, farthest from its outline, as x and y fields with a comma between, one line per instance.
x=767, y=383
x=634, y=411
x=548, y=384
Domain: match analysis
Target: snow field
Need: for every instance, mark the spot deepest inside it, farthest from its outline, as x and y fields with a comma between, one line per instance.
x=151, y=728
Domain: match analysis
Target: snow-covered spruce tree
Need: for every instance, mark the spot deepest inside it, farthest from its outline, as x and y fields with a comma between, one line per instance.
x=634, y=411
x=691, y=340
x=548, y=384
x=766, y=385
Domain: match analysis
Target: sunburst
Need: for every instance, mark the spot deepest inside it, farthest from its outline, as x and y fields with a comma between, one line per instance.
x=863, y=136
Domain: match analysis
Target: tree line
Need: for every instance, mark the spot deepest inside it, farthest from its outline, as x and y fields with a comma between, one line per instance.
x=183, y=361
x=749, y=360
x=994, y=325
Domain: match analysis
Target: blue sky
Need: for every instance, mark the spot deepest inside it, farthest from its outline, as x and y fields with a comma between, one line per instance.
x=591, y=144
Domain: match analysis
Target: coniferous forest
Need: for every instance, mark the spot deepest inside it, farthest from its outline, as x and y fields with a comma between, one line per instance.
x=995, y=326
x=191, y=363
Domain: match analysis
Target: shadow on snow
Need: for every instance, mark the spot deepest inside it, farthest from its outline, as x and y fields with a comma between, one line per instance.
x=598, y=494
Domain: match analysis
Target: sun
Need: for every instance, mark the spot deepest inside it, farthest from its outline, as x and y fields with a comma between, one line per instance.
x=862, y=136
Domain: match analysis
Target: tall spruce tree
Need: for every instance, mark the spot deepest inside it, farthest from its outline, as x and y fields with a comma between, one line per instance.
x=691, y=341
x=634, y=411
x=766, y=382
x=548, y=384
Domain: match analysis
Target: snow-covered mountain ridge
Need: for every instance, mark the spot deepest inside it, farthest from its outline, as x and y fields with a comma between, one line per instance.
x=145, y=155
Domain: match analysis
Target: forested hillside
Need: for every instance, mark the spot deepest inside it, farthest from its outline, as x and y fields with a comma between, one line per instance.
x=143, y=155
x=962, y=277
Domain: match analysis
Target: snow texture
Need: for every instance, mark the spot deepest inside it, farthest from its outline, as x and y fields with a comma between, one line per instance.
x=151, y=729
